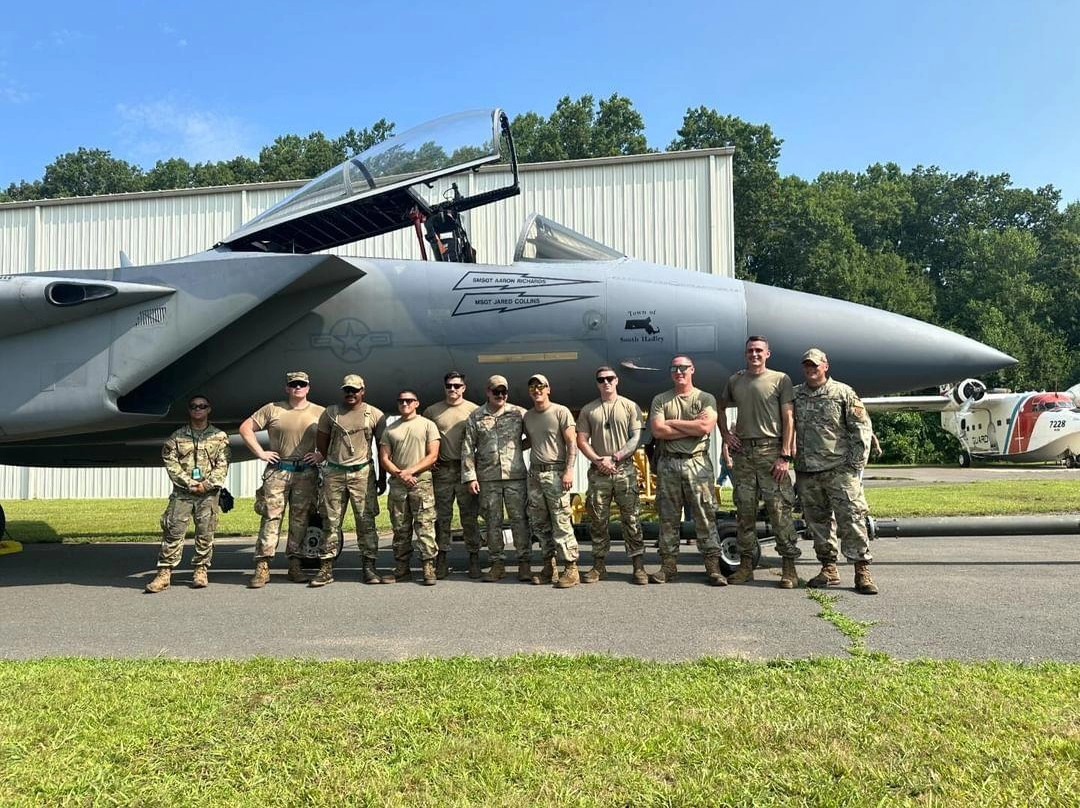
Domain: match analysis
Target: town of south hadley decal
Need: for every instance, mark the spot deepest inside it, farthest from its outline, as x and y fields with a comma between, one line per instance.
x=511, y=291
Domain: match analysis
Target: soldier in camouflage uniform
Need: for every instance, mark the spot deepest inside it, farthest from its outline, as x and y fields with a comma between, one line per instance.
x=608, y=433
x=449, y=416
x=762, y=445
x=408, y=449
x=493, y=466
x=291, y=477
x=345, y=435
x=196, y=458
x=682, y=421
x=553, y=443
x=833, y=434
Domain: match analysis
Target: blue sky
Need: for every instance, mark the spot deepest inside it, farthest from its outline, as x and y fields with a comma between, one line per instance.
x=986, y=86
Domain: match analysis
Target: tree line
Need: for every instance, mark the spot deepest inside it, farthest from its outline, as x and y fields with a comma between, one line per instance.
x=968, y=252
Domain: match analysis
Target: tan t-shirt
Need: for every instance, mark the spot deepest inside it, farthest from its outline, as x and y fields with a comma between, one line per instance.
x=687, y=407
x=759, y=400
x=451, y=424
x=545, y=430
x=292, y=431
x=351, y=435
x=609, y=425
x=408, y=440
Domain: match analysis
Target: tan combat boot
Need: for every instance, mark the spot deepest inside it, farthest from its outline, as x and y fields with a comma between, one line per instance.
x=524, y=571
x=199, y=579
x=442, y=566
x=160, y=582
x=368, y=573
x=744, y=573
x=668, y=571
x=598, y=571
x=712, y=569
x=789, y=578
x=640, y=577
x=401, y=573
x=827, y=577
x=547, y=572
x=325, y=575
x=262, y=574
x=864, y=582
x=570, y=576
x=430, y=574
x=296, y=572
x=474, y=565
x=496, y=573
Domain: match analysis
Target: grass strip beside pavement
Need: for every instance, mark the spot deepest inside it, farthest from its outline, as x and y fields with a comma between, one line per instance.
x=539, y=730
x=990, y=498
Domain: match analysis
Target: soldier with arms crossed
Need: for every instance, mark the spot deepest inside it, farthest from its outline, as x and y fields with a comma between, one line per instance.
x=833, y=435
x=550, y=429
x=291, y=477
x=449, y=416
x=493, y=466
x=345, y=435
x=608, y=433
x=682, y=421
x=407, y=450
x=762, y=445
x=196, y=458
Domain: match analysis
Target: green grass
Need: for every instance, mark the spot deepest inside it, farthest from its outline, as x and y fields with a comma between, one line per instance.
x=977, y=499
x=538, y=731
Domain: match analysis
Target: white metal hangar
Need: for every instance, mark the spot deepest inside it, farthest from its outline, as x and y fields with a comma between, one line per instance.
x=670, y=208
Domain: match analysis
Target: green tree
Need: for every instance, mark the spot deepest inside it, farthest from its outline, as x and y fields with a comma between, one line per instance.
x=90, y=172
x=292, y=157
x=352, y=142
x=580, y=129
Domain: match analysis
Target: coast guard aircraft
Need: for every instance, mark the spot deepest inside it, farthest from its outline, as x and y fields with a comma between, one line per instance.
x=1000, y=424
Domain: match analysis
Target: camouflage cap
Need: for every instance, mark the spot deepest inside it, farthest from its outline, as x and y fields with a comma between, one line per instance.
x=497, y=381
x=539, y=378
x=297, y=376
x=352, y=380
x=815, y=356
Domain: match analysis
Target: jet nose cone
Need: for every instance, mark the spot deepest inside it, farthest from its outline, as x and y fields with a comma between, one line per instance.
x=874, y=351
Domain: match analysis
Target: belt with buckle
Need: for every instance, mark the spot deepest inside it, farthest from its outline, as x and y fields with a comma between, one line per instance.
x=547, y=467
x=684, y=455
x=291, y=465
x=339, y=467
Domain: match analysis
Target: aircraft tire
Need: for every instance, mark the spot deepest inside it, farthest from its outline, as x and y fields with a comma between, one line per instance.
x=965, y=459
x=729, y=551
x=3, y=523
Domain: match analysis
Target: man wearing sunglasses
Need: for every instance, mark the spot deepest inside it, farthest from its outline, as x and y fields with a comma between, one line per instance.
x=291, y=477
x=408, y=449
x=682, y=422
x=550, y=430
x=608, y=433
x=345, y=436
x=493, y=466
x=449, y=416
x=763, y=447
x=196, y=458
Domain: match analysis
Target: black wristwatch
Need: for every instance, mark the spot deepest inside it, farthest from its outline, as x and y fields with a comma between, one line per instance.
x=788, y=458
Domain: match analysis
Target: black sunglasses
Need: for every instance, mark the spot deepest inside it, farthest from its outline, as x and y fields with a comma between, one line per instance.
x=198, y=406
x=452, y=386
x=605, y=379
x=351, y=391
x=499, y=391
x=681, y=368
x=406, y=401
x=297, y=385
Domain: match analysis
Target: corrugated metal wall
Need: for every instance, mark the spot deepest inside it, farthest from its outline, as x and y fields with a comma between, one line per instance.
x=673, y=209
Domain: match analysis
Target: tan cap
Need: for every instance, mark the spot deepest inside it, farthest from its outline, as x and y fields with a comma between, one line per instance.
x=539, y=378
x=815, y=356
x=297, y=376
x=352, y=380
x=497, y=381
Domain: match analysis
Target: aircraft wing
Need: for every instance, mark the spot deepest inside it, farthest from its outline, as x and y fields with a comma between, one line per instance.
x=908, y=403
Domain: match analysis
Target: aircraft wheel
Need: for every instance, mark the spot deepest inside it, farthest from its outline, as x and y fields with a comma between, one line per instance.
x=729, y=552
x=3, y=522
x=965, y=460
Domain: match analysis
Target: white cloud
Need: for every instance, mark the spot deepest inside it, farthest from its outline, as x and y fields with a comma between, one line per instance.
x=10, y=92
x=163, y=129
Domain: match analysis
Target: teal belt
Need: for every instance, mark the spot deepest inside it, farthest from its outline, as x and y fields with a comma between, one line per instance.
x=339, y=467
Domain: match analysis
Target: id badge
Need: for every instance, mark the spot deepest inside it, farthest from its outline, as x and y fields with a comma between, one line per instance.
x=196, y=474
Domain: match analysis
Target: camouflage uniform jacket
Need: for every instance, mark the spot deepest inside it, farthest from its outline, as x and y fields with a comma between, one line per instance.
x=492, y=448
x=187, y=449
x=832, y=427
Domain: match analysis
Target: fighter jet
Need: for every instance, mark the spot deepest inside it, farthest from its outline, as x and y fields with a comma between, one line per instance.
x=98, y=364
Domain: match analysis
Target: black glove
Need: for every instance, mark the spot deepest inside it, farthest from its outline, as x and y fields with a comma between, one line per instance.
x=225, y=500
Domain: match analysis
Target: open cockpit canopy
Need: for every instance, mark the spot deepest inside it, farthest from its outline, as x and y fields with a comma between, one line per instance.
x=382, y=189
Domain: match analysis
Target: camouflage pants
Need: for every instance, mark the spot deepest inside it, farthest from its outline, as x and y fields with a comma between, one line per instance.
x=412, y=513
x=549, y=514
x=297, y=490
x=340, y=489
x=446, y=477
x=690, y=481
x=495, y=495
x=174, y=524
x=835, y=492
x=753, y=481
x=622, y=488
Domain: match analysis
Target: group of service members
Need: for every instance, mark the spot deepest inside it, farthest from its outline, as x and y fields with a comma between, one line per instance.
x=320, y=459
